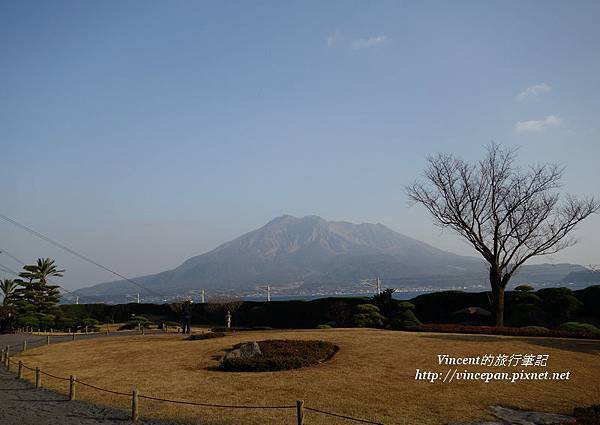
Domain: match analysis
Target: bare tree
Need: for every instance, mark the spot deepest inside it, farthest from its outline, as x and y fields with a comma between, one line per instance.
x=507, y=213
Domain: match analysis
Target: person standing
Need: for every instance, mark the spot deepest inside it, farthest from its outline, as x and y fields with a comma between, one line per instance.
x=186, y=317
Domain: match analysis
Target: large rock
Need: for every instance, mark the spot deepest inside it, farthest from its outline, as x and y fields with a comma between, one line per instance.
x=245, y=351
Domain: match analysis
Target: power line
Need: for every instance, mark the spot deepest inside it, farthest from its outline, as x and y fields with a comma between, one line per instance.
x=75, y=253
x=8, y=270
x=8, y=254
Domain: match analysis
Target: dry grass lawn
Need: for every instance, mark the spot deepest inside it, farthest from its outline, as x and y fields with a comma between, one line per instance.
x=371, y=377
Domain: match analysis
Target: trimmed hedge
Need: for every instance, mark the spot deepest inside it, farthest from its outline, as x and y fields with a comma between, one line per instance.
x=491, y=330
x=578, y=327
x=548, y=307
x=282, y=354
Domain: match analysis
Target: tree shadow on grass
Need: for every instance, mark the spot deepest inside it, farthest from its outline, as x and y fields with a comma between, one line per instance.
x=573, y=345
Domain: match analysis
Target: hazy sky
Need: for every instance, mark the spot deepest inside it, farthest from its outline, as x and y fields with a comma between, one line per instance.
x=143, y=133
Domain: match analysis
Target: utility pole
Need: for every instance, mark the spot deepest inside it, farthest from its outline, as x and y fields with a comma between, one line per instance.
x=202, y=295
x=268, y=293
x=378, y=286
x=138, y=297
x=77, y=299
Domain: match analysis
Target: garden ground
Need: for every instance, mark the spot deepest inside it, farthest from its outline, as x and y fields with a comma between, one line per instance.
x=371, y=377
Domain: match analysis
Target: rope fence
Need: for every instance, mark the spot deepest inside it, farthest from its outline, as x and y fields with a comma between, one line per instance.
x=342, y=416
x=135, y=396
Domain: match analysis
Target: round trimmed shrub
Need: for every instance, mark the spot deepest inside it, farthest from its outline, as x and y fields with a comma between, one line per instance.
x=367, y=316
x=136, y=322
x=578, y=327
x=282, y=354
x=524, y=288
x=405, y=305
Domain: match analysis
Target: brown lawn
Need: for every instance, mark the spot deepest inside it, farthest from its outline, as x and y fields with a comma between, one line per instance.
x=371, y=377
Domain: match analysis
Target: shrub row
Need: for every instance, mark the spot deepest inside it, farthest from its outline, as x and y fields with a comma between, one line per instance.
x=491, y=330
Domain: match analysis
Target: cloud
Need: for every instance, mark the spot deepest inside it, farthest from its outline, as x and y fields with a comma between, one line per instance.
x=533, y=92
x=332, y=39
x=550, y=121
x=367, y=43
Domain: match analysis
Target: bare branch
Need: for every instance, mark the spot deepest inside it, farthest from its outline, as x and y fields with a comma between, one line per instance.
x=507, y=214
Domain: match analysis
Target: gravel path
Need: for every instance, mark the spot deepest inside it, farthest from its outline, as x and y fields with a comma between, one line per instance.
x=22, y=404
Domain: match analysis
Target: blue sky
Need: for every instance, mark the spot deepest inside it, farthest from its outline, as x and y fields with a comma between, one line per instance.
x=142, y=133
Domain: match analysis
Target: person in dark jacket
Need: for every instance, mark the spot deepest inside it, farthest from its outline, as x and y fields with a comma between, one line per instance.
x=186, y=317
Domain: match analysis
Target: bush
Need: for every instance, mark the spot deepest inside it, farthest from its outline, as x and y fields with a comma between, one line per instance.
x=65, y=323
x=324, y=326
x=524, y=288
x=384, y=301
x=492, y=330
x=405, y=319
x=46, y=320
x=578, y=327
x=405, y=305
x=168, y=324
x=559, y=303
x=540, y=329
x=523, y=308
x=207, y=335
x=28, y=321
x=282, y=355
x=136, y=322
x=367, y=316
x=92, y=325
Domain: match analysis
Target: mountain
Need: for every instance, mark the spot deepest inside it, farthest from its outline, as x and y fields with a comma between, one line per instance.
x=585, y=276
x=312, y=254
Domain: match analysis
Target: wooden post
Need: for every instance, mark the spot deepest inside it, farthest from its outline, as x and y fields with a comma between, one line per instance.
x=135, y=411
x=38, y=377
x=8, y=350
x=73, y=337
x=300, y=411
x=47, y=339
x=20, y=371
x=24, y=345
x=143, y=331
x=2, y=355
x=72, y=383
x=8, y=363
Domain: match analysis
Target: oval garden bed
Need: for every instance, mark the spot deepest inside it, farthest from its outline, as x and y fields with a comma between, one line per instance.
x=281, y=354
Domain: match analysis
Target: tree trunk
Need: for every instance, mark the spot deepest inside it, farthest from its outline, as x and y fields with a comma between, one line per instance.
x=496, y=282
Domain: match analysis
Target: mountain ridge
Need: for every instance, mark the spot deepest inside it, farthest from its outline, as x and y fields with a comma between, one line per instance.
x=310, y=252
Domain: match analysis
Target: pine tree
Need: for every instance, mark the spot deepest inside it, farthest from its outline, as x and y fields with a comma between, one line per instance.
x=36, y=299
x=7, y=287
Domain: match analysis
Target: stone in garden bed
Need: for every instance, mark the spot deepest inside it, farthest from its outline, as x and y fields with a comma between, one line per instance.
x=275, y=355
